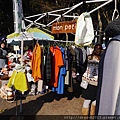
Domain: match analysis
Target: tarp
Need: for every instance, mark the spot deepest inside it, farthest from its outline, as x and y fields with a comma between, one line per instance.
x=32, y=33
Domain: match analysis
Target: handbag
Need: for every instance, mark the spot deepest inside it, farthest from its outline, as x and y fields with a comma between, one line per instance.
x=84, y=84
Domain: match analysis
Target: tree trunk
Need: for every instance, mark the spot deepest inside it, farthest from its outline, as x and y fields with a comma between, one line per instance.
x=100, y=27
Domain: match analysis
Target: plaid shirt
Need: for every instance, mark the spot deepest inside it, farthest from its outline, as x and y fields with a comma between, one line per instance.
x=48, y=66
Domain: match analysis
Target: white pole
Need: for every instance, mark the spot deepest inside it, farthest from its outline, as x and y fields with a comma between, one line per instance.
x=100, y=6
x=48, y=12
x=22, y=51
x=16, y=56
x=22, y=42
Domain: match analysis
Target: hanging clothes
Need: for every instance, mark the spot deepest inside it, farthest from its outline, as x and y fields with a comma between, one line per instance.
x=36, y=63
x=40, y=82
x=72, y=63
x=42, y=62
x=84, y=54
x=48, y=67
x=84, y=30
x=62, y=73
x=68, y=58
x=81, y=62
x=18, y=81
x=79, y=58
x=57, y=62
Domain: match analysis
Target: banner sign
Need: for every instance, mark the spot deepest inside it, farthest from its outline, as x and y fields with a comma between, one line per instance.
x=18, y=15
x=64, y=27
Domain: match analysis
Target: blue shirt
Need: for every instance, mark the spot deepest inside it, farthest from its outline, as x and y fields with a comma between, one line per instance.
x=62, y=73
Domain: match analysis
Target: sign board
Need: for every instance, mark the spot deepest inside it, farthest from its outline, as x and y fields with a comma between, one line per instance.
x=64, y=27
x=16, y=47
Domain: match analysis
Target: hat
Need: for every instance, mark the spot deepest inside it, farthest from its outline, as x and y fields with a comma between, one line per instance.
x=10, y=54
x=113, y=28
x=19, y=67
x=12, y=57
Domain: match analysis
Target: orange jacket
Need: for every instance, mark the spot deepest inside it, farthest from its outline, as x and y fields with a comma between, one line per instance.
x=36, y=63
x=57, y=62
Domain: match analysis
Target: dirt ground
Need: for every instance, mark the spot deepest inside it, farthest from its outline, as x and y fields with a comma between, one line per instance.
x=45, y=104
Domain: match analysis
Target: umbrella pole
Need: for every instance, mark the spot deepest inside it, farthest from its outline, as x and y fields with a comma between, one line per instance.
x=22, y=51
x=21, y=64
x=16, y=55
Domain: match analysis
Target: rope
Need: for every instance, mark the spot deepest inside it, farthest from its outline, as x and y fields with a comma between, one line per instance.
x=115, y=11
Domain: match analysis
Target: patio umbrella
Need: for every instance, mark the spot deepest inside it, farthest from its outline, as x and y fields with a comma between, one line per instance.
x=38, y=34
x=32, y=33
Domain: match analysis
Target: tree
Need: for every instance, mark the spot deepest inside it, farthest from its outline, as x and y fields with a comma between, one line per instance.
x=6, y=17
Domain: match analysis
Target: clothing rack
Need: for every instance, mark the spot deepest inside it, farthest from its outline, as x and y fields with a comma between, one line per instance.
x=54, y=40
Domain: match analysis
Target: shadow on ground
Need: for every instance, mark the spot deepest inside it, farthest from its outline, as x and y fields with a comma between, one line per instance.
x=36, y=105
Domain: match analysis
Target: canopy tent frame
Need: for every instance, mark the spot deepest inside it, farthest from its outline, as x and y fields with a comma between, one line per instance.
x=59, y=16
x=40, y=16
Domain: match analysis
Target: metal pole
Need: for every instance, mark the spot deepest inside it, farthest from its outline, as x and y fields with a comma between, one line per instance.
x=22, y=51
x=16, y=108
x=16, y=55
x=72, y=8
x=22, y=41
x=20, y=103
x=49, y=12
x=16, y=102
x=100, y=6
x=64, y=14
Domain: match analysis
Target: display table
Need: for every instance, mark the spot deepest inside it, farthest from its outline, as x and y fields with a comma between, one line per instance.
x=2, y=82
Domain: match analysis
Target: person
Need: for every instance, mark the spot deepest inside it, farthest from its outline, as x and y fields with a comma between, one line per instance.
x=28, y=53
x=108, y=94
x=91, y=75
x=3, y=55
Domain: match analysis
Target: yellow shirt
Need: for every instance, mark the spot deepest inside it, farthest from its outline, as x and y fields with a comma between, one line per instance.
x=19, y=81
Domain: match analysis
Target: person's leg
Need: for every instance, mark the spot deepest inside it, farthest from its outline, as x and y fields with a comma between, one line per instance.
x=85, y=109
